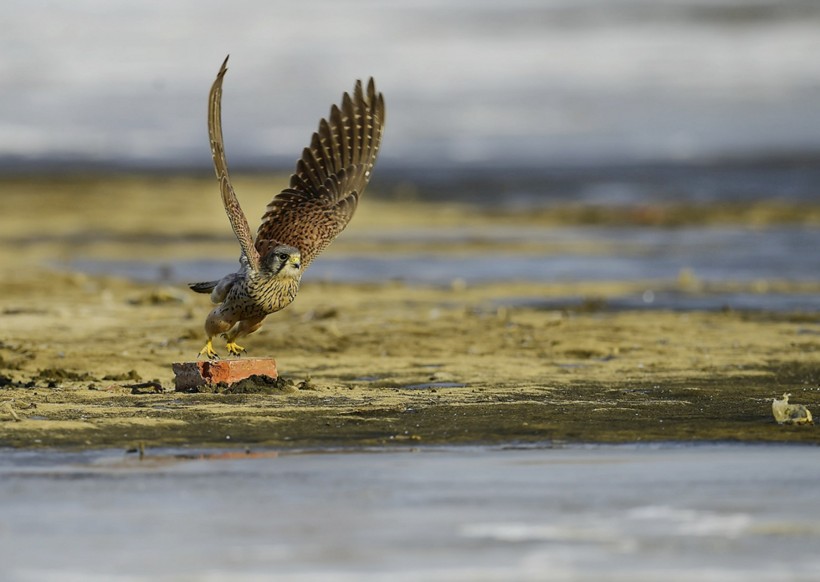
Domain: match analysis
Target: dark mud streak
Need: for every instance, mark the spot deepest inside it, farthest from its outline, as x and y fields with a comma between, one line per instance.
x=717, y=409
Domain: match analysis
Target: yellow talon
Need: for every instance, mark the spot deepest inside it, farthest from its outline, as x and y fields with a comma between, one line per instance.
x=208, y=351
x=234, y=349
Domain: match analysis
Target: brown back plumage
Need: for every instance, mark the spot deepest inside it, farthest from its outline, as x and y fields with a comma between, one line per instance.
x=330, y=177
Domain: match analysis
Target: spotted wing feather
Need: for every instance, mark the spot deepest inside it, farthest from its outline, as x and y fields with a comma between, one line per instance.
x=239, y=222
x=329, y=179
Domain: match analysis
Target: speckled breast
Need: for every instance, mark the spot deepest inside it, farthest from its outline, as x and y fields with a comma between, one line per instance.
x=263, y=296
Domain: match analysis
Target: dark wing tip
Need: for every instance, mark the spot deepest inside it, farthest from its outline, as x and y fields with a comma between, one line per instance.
x=224, y=68
x=347, y=102
x=371, y=90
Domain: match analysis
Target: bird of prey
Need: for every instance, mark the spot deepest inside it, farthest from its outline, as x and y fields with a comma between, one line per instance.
x=300, y=221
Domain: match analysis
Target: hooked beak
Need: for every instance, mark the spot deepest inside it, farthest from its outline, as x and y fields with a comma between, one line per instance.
x=296, y=261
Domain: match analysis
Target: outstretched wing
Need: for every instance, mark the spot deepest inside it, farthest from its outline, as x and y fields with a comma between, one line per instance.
x=239, y=222
x=329, y=179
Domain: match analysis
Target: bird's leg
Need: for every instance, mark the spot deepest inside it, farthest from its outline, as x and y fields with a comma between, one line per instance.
x=216, y=323
x=235, y=349
x=243, y=328
x=208, y=351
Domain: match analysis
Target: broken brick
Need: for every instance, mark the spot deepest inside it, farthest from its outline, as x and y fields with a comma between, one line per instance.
x=191, y=376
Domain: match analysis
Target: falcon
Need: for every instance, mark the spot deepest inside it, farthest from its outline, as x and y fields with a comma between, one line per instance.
x=300, y=221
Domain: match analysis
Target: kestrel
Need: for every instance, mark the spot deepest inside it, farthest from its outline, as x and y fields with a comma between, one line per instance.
x=300, y=221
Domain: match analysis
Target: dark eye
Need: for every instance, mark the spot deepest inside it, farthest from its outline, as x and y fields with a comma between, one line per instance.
x=283, y=256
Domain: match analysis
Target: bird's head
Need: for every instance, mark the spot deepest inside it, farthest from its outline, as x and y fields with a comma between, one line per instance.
x=282, y=261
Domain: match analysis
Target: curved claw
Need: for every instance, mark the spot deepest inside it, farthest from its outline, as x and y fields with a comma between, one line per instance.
x=208, y=351
x=234, y=349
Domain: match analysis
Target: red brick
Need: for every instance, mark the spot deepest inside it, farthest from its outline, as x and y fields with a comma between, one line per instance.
x=193, y=375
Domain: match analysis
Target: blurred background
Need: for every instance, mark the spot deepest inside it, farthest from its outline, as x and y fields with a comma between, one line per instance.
x=626, y=112
x=524, y=83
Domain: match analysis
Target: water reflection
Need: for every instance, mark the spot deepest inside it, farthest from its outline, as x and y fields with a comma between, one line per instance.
x=582, y=513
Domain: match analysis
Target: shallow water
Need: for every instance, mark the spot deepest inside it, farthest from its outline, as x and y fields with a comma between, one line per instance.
x=714, y=512
x=622, y=254
x=676, y=301
x=711, y=255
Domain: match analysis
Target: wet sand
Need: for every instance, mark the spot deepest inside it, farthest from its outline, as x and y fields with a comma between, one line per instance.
x=85, y=361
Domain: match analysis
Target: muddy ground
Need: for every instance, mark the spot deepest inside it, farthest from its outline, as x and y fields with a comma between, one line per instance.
x=86, y=361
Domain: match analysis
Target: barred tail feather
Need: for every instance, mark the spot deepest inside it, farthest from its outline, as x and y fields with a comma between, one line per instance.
x=204, y=287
